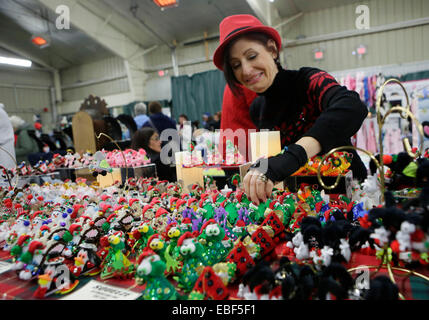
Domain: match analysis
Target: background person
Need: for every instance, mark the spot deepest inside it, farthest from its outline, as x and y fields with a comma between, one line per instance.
x=216, y=120
x=205, y=118
x=140, y=117
x=148, y=139
x=24, y=144
x=182, y=119
x=159, y=120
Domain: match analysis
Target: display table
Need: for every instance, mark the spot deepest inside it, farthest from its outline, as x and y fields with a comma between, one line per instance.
x=13, y=288
x=146, y=171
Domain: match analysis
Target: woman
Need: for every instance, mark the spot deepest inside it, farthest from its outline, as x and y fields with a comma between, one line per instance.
x=310, y=109
x=216, y=120
x=183, y=118
x=148, y=139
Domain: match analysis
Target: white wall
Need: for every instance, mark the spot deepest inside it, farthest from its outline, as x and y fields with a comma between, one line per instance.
x=385, y=46
x=130, y=83
x=157, y=88
x=26, y=92
x=100, y=78
x=107, y=79
x=190, y=58
x=71, y=107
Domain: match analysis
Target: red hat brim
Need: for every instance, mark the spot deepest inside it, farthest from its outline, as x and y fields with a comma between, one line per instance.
x=233, y=31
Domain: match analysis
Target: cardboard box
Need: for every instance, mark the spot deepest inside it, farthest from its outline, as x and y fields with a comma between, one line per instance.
x=187, y=176
x=264, y=143
x=110, y=178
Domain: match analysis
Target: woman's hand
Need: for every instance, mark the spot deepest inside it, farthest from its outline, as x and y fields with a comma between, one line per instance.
x=257, y=186
x=259, y=181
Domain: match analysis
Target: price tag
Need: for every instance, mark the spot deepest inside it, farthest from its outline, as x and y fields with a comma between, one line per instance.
x=95, y=290
x=5, y=266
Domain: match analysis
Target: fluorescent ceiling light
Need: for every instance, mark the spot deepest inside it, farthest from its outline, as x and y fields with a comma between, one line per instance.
x=15, y=62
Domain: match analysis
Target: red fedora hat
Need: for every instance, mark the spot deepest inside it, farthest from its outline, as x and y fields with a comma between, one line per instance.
x=235, y=25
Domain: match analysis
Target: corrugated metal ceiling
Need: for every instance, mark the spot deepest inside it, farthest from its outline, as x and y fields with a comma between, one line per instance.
x=19, y=20
x=147, y=26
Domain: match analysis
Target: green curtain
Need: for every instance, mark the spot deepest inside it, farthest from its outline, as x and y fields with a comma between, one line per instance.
x=129, y=108
x=197, y=94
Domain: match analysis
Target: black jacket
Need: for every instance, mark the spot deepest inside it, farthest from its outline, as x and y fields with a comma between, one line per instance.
x=164, y=171
x=310, y=102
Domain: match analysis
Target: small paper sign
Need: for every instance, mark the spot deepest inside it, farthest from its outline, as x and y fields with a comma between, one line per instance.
x=5, y=266
x=95, y=290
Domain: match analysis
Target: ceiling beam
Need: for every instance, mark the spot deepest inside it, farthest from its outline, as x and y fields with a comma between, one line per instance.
x=98, y=28
x=264, y=10
x=356, y=33
x=288, y=20
x=132, y=27
x=260, y=9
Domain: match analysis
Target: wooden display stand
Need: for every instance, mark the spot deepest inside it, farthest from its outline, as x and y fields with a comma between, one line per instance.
x=110, y=178
x=85, y=174
x=243, y=168
x=83, y=133
x=187, y=176
x=103, y=181
x=265, y=143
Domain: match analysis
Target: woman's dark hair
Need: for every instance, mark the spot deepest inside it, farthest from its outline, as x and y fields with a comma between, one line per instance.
x=227, y=69
x=219, y=114
x=184, y=116
x=155, y=107
x=141, y=138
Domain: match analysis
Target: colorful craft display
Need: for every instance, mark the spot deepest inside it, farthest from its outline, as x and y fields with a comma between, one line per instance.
x=150, y=271
x=200, y=245
x=193, y=157
x=101, y=162
x=336, y=164
x=129, y=157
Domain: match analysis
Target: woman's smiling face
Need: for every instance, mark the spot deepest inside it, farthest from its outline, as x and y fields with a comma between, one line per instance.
x=253, y=64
